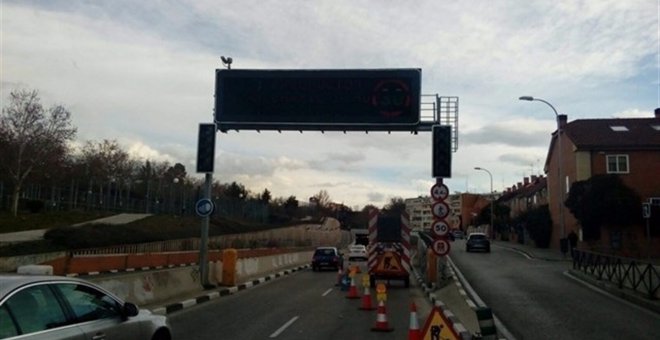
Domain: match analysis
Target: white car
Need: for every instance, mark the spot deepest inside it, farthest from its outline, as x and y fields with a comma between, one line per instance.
x=357, y=252
x=54, y=307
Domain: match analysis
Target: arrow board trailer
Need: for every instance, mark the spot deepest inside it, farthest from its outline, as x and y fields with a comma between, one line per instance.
x=389, y=248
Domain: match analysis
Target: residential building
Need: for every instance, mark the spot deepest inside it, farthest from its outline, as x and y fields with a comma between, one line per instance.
x=421, y=216
x=470, y=207
x=627, y=147
x=531, y=193
x=419, y=212
x=455, y=211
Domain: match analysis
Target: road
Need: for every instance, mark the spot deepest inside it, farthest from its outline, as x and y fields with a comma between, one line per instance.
x=305, y=305
x=535, y=299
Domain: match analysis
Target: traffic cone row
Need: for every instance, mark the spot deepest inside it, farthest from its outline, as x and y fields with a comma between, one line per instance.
x=382, y=325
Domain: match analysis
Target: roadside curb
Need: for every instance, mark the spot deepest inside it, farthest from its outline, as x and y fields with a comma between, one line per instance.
x=132, y=270
x=456, y=323
x=173, y=307
x=461, y=290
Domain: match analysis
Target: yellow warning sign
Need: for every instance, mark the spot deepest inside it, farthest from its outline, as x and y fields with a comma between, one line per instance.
x=437, y=327
x=389, y=262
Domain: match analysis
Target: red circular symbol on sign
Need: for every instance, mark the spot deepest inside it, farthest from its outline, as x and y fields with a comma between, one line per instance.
x=391, y=97
x=440, y=210
x=440, y=228
x=439, y=192
x=441, y=247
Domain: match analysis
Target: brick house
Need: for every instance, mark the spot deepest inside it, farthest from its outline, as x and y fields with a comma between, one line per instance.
x=531, y=193
x=627, y=147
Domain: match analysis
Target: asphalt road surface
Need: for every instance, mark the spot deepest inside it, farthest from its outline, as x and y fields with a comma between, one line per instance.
x=305, y=305
x=535, y=299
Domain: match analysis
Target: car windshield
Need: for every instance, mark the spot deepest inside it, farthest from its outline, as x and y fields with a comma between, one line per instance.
x=477, y=237
x=325, y=252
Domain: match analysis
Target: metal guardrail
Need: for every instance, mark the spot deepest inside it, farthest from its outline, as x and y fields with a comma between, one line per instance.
x=625, y=272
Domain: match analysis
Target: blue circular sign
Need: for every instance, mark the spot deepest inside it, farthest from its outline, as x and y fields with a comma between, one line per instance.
x=204, y=207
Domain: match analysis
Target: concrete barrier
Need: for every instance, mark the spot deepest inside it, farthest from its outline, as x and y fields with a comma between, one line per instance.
x=11, y=263
x=156, y=286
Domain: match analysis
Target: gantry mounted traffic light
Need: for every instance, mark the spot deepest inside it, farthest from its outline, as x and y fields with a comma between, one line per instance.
x=206, y=148
x=441, y=150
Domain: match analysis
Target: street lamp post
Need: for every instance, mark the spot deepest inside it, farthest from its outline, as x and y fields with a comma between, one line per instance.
x=559, y=162
x=492, y=199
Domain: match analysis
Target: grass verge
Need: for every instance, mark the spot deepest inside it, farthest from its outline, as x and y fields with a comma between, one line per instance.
x=45, y=220
x=151, y=229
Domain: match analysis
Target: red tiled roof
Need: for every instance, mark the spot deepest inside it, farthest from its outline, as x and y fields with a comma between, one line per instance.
x=598, y=134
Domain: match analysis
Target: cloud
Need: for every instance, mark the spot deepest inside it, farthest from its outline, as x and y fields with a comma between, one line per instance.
x=376, y=197
x=633, y=113
x=142, y=151
x=341, y=161
x=143, y=73
x=513, y=132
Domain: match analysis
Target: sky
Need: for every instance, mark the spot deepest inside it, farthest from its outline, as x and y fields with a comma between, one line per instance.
x=143, y=73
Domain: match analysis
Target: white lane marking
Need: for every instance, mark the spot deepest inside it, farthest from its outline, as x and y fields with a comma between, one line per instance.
x=517, y=251
x=284, y=327
x=327, y=292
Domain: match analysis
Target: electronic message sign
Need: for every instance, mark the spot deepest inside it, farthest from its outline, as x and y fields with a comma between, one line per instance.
x=330, y=100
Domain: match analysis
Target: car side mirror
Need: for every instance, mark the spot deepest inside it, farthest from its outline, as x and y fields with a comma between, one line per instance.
x=129, y=309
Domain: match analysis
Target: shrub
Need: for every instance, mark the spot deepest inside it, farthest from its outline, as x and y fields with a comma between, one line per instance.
x=98, y=235
x=538, y=223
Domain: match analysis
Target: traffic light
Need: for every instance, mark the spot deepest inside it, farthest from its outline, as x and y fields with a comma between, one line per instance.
x=206, y=148
x=441, y=150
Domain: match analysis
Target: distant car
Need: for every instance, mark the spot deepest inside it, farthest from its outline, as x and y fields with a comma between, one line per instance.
x=326, y=257
x=357, y=252
x=477, y=241
x=55, y=307
x=457, y=234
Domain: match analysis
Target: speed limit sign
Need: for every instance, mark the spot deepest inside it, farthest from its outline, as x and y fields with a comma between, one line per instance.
x=440, y=228
x=441, y=247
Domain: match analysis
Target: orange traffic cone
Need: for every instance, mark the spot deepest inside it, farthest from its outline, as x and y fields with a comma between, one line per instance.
x=413, y=332
x=352, y=291
x=381, y=319
x=366, y=300
x=340, y=275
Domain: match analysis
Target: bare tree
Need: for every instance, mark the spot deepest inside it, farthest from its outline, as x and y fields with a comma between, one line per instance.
x=322, y=198
x=395, y=206
x=107, y=163
x=30, y=136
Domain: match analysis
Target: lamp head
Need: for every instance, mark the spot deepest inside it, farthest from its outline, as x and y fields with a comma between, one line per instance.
x=477, y=168
x=528, y=98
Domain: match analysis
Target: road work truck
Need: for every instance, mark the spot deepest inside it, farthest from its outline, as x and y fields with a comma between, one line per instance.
x=389, y=247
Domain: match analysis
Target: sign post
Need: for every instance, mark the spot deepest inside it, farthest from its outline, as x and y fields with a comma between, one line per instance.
x=204, y=240
x=205, y=207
